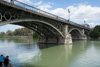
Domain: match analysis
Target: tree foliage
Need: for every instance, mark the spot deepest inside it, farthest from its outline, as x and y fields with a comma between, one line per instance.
x=20, y=32
x=36, y=35
x=2, y=34
x=23, y=32
x=95, y=33
x=17, y=32
x=9, y=33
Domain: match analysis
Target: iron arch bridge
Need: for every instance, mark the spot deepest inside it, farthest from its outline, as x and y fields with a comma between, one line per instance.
x=51, y=28
x=41, y=27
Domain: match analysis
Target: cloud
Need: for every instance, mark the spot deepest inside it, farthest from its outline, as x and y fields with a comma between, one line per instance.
x=85, y=12
x=92, y=24
x=80, y=13
x=45, y=6
x=39, y=3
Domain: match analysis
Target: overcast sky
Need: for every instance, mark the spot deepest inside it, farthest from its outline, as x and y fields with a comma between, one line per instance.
x=80, y=10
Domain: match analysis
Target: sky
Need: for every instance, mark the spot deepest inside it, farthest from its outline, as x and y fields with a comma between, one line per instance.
x=80, y=10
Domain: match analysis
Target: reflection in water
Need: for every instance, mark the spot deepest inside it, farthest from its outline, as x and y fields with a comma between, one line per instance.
x=25, y=53
x=61, y=55
x=19, y=53
x=44, y=46
x=68, y=51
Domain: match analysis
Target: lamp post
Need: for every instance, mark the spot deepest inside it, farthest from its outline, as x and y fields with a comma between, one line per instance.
x=84, y=22
x=68, y=14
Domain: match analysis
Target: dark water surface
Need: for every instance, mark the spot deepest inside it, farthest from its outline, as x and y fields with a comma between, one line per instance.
x=25, y=53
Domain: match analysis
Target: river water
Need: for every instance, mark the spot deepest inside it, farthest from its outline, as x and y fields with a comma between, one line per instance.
x=26, y=53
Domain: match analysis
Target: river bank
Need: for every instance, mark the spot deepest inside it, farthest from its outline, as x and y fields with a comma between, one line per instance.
x=19, y=37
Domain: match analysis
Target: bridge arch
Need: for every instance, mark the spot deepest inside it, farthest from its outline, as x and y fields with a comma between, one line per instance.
x=74, y=29
x=33, y=23
x=75, y=33
x=86, y=32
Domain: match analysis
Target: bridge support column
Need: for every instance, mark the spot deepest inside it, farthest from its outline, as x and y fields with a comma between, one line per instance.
x=65, y=40
x=83, y=35
x=67, y=36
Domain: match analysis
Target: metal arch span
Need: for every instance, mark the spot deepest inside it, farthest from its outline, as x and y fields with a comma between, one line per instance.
x=30, y=20
x=75, y=29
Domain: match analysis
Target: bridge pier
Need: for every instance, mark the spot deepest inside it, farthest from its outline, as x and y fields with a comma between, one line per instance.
x=67, y=36
x=66, y=39
x=59, y=40
x=83, y=34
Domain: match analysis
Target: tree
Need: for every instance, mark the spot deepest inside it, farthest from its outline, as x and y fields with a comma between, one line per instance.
x=9, y=33
x=20, y=32
x=23, y=32
x=2, y=34
x=17, y=32
x=95, y=33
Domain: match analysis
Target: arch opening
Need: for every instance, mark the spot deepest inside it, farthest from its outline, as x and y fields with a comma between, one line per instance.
x=75, y=33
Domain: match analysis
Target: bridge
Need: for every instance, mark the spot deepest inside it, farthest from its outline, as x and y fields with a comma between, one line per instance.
x=51, y=28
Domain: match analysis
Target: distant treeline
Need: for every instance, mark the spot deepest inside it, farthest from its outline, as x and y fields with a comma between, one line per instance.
x=95, y=33
x=17, y=32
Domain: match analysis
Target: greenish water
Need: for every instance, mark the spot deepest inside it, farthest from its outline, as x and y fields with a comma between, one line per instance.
x=25, y=53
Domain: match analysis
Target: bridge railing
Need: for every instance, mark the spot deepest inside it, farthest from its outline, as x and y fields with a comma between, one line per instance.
x=18, y=3
x=21, y=4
